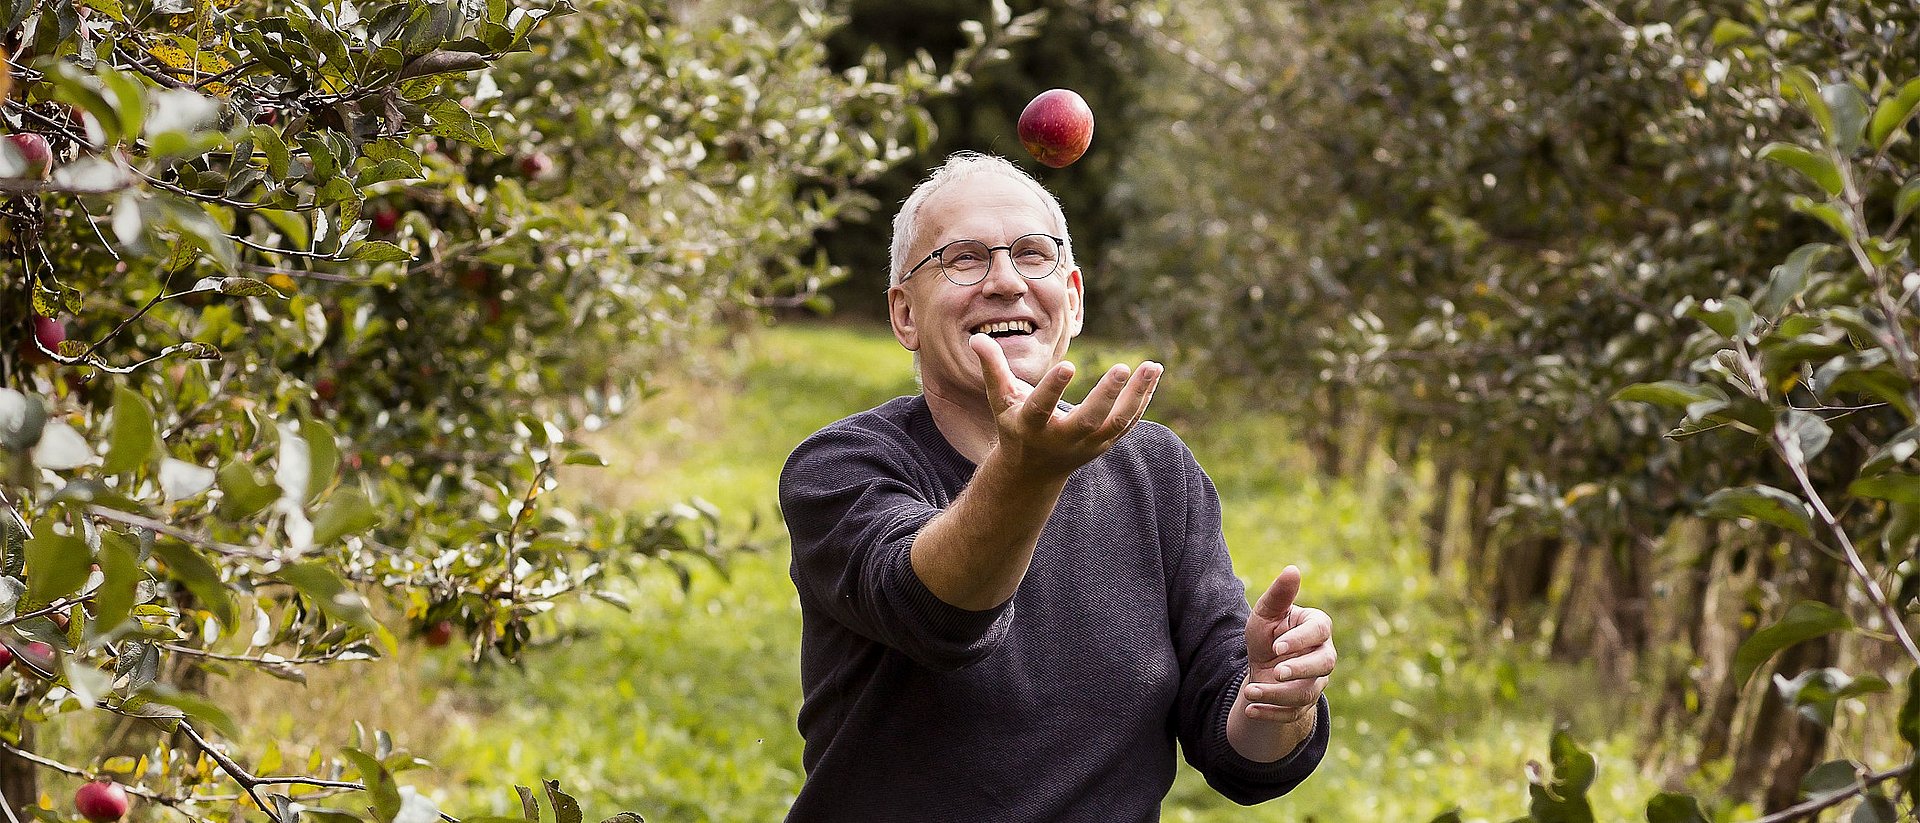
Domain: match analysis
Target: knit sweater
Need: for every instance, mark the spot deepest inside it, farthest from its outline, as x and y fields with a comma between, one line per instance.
x=1062, y=704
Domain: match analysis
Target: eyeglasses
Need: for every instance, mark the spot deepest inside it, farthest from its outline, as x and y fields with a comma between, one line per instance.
x=966, y=262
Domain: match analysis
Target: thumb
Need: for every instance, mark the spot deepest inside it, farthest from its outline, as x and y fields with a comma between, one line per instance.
x=993, y=367
x=1279, y=597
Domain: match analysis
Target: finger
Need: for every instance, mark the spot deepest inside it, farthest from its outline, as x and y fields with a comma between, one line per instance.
x=1314, y=628
x=1132, y=404
x=1092, y=412
x=1315, y=664
x=1045, y=398
x=1291, y=696
x=1279, y=597
x=993, y=366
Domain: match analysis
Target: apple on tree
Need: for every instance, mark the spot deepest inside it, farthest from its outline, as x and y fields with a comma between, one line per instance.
x=439, y=634
x=50, y=333
x=536, y=166
x=1056, y=127
x=34, y=153
x=101, y=801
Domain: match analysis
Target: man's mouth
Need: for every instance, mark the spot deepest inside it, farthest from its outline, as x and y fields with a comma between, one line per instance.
x=1005, y=328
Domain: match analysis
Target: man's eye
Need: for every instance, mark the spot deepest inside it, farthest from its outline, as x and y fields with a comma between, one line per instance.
x=964, y=259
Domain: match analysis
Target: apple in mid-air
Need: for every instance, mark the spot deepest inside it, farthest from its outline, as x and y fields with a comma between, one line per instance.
x=1056, y=127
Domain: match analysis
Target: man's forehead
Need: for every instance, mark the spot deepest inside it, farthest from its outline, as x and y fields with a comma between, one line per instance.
x=987, y=196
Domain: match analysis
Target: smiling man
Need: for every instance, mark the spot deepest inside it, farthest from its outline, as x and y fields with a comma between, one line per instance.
x=1014, y=607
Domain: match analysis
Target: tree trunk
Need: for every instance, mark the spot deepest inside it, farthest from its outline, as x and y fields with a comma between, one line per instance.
x=1438, y=518
x=19, y=779
x=1525, y=575
x=1781, y=746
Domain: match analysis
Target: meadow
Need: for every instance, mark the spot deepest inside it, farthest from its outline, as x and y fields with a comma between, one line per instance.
x=682, y=707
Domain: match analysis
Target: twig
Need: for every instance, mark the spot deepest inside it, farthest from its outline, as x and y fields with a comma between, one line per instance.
x=170, y=530
x=1816, y=805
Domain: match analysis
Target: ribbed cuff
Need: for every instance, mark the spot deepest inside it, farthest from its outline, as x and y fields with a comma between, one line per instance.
x=1239, y=764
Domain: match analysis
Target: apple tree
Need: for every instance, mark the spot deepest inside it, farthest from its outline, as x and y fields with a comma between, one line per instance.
x=302, y=306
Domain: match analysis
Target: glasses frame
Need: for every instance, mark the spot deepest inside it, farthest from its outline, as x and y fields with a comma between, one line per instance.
x=1059, y=252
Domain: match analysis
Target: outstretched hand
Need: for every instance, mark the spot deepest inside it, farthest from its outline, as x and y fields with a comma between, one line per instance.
x=1289, y=653
x=1036, y=435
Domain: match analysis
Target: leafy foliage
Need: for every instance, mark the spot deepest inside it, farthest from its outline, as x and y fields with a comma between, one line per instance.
x=305, y=304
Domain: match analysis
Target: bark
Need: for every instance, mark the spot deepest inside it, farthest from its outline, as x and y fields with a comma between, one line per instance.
x=1781, y=746
x=1438, y=518
x=19, y=779
x=1525, y=575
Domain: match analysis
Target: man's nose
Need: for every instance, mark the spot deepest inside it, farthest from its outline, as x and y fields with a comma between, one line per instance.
x=1002, y=279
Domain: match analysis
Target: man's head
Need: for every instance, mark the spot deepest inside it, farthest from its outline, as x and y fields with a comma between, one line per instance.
x=986, y=199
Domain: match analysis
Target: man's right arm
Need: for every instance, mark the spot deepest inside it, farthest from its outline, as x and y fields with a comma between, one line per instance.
x=974, y=554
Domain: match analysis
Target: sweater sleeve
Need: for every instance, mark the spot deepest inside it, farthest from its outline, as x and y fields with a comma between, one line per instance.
x=1208, y=606
x=853, y=511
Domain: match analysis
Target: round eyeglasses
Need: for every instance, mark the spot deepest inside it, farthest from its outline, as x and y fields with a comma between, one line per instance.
x=966, y=262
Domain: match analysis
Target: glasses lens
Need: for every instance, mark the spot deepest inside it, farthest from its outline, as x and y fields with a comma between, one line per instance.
x=1035, y=256
x=965, y=262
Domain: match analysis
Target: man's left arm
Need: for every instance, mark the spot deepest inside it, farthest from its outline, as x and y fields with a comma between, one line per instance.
x=1290, y=657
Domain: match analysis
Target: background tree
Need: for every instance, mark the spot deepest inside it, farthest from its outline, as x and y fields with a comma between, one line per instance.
x=302, y=304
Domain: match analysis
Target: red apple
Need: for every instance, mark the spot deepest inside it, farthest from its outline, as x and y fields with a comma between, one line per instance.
x=34, y=150
x=6, y=655
x=50, y=332
x=326, y=388
x=101, y=801
x=439, y=634
x=1056, y=127
x=385, y=219
x=36, y=653
x=536, y=165
x=474, y=279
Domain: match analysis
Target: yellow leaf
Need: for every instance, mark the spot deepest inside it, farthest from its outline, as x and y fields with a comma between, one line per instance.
x=175, y=57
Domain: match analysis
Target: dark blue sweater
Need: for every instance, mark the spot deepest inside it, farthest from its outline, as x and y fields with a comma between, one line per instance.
x=1062, y=704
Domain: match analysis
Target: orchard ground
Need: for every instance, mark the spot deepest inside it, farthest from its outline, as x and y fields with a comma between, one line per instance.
x=683, y=708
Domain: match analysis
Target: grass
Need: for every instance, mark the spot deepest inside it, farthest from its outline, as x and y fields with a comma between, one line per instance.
x=683, y=709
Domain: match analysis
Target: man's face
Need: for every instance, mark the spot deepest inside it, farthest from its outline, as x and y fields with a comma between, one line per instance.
x=935, y=318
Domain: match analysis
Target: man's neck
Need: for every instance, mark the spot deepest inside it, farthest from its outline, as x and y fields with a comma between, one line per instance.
x=967, y=424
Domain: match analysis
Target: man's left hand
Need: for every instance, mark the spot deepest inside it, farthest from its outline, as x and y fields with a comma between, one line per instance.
x=1290, y=654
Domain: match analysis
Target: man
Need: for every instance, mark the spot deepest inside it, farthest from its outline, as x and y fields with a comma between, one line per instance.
x=1012, y=607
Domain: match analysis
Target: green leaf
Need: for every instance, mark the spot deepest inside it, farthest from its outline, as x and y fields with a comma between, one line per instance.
x=347, y=512
x=247, y=287
x=456, y=123
x=565, y=808
x=323, y=457
x=1787, y=279
x=1673, y=807
x=325, y=589
x=268, y=141
x=1729, y=318
x=529, y=805
x=200, y=577
x=1891, y=113
x=1874, y=808
x=1815, y=167
x=1563, y=799
x=56, y=566
x=1669, y=393
x=1763, y=503
x=196, y=707
x=132, y=439
x=242, y=493
x=1908, y=723
x=1802, y=434
x=378, y=251
x=1906, y=200
x=1727, y=31
x=1804, y=621
x=1826, y=213
x=1898, y=488
x=1850, y=115
x=381, y=789
x=120, y=568
x=1829, y=779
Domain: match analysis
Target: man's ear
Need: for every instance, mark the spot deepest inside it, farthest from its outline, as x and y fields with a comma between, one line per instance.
x=900, y=314
x=1076, y=301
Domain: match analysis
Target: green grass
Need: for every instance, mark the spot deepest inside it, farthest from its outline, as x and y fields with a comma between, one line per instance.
x=683, y=709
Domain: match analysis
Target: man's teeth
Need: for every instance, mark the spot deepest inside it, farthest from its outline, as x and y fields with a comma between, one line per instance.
x=1019, y=326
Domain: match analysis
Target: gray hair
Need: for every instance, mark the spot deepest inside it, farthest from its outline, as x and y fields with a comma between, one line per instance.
x=959, y=166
